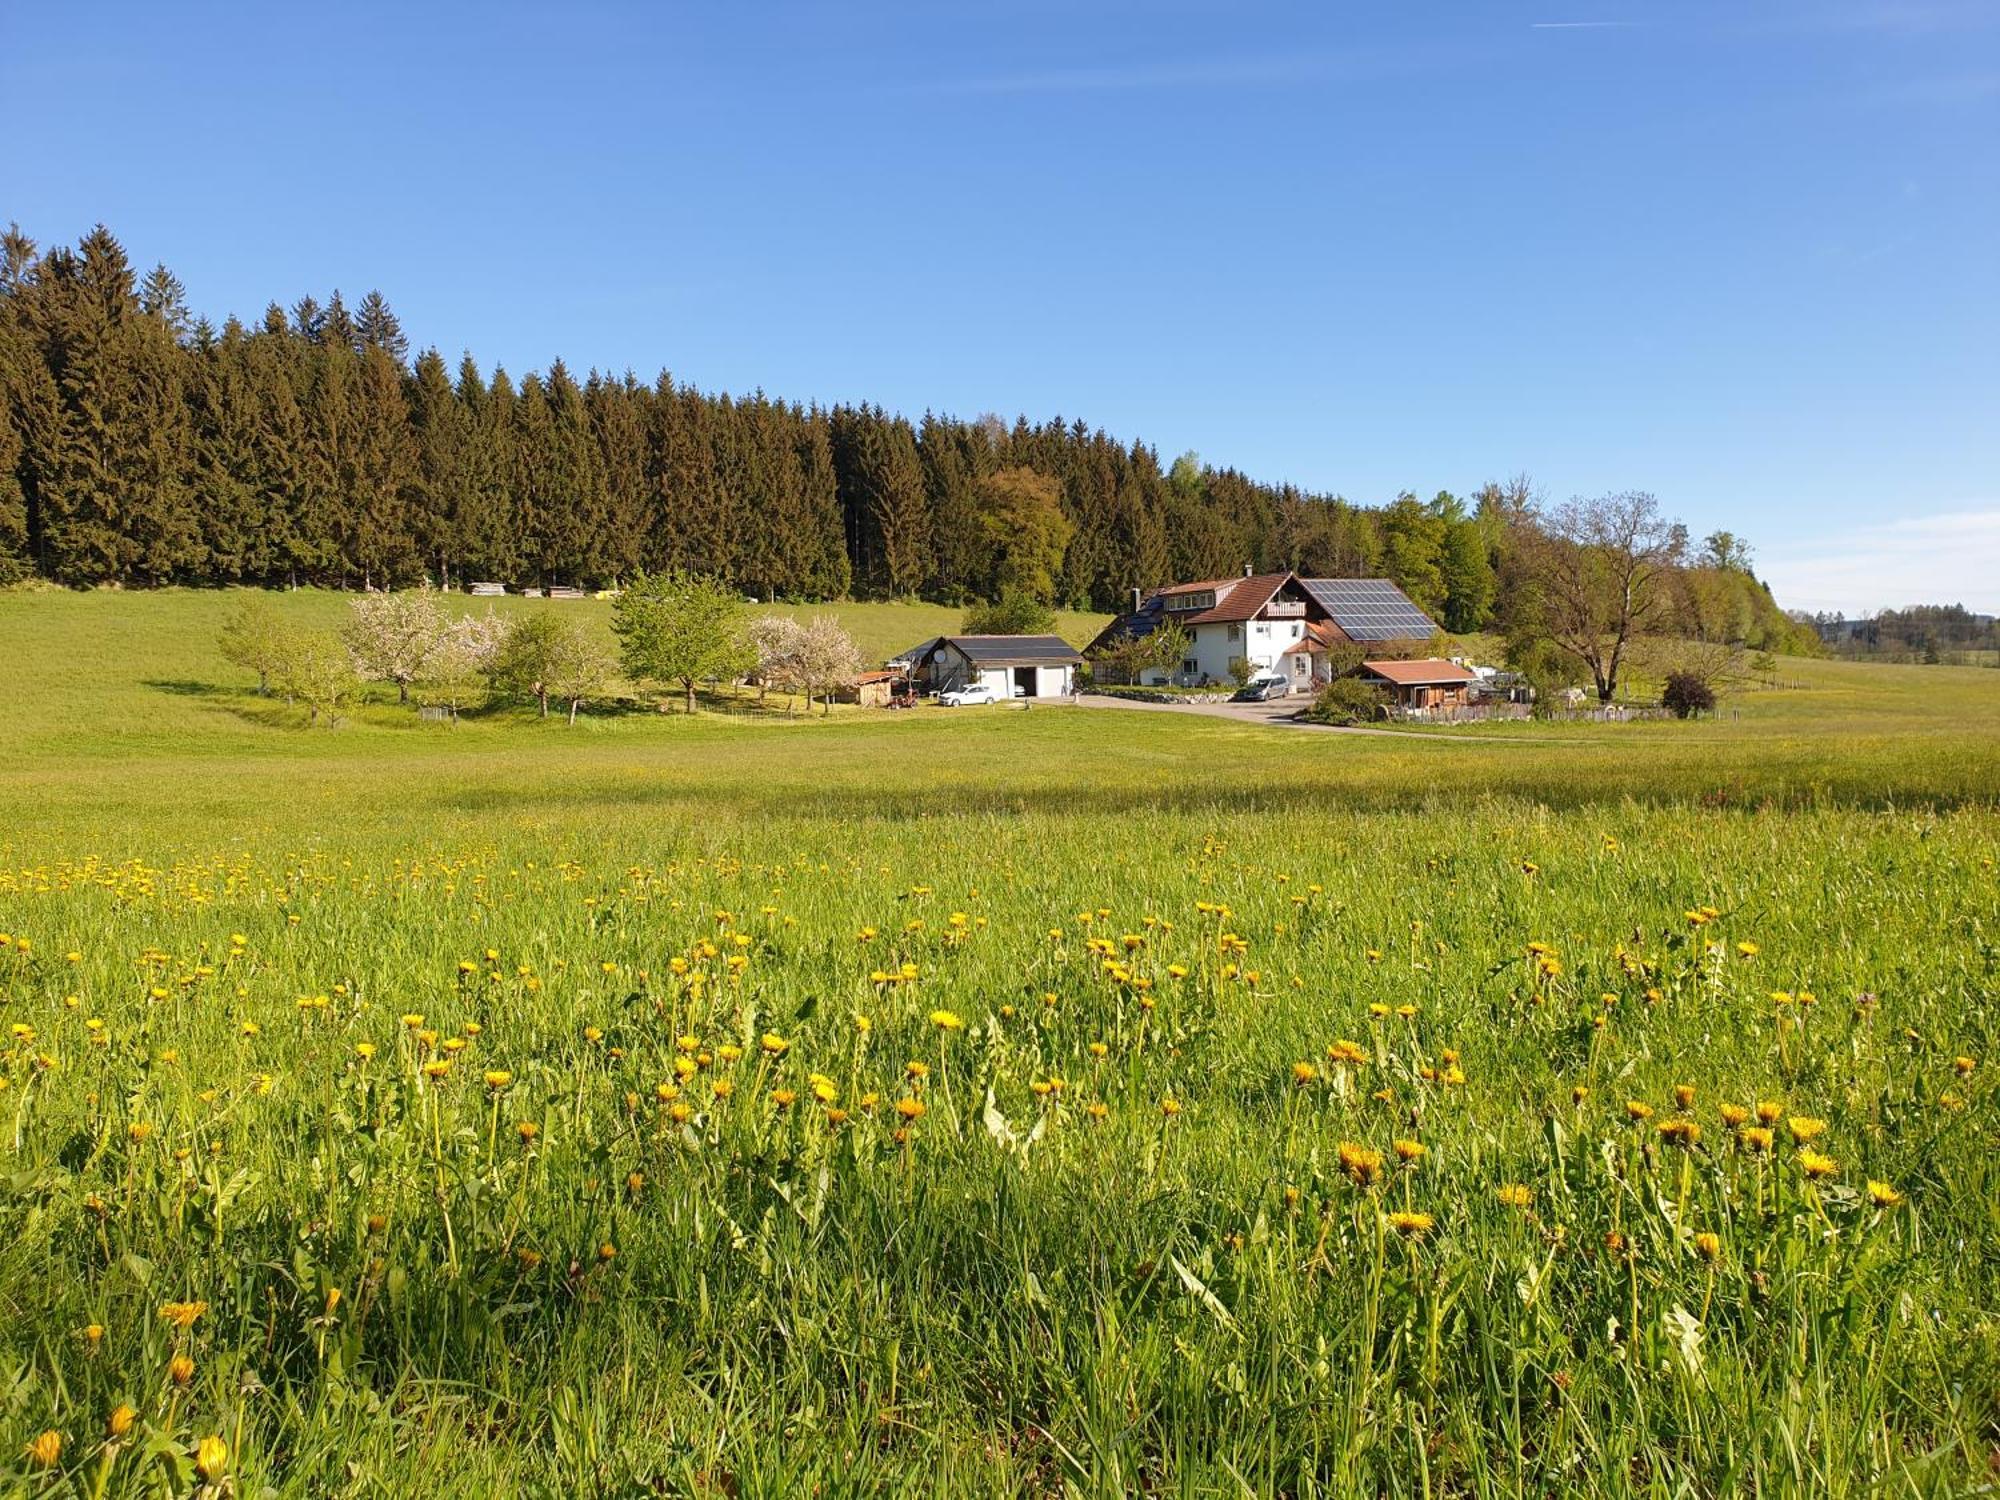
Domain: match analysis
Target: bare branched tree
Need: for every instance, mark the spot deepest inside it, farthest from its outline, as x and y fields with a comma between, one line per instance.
x=1599, y=572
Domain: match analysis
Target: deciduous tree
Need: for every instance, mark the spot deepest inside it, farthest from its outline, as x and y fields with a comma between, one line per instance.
x=392, y=635
x=1596, y=574
x=827, y=659
x=1014, y=614
x=680, y=628
x=256, y=638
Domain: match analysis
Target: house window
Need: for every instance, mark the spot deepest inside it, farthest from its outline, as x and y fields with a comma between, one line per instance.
x=1236, y=632
x=1188, y=666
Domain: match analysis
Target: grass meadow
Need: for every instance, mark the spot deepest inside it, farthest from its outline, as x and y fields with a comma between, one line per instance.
x=989, y=1102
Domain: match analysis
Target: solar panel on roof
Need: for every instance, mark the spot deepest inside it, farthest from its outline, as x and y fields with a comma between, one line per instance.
x=1370, y=609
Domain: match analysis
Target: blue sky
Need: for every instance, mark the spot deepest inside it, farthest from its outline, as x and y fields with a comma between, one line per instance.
x=1740, y=254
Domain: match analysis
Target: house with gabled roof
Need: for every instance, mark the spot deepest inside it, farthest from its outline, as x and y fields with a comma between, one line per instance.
x=1014, y=666
x=1266, y=623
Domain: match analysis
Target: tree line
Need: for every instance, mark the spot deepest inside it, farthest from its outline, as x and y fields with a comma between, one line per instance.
x=143, y=445
x=1929, y=633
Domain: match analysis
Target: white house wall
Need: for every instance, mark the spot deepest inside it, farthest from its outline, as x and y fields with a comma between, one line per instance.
x=1262, y=643
x=951, y=671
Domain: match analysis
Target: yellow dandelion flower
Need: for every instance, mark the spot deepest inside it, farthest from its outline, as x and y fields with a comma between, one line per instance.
x=1362, y=1165
x=211, y=1458
x=182, y=1314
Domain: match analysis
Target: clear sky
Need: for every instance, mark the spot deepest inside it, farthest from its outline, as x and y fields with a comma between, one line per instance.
x=1745, y=254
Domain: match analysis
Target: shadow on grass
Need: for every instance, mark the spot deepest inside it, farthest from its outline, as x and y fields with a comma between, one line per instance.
x=695, y=796
x=182, y=687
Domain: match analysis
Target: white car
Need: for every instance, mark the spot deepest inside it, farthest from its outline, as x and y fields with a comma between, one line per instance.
x=972, y=695
x=968, y=696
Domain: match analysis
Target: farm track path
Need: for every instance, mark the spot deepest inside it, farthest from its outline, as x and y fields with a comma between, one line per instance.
x=1282, y=715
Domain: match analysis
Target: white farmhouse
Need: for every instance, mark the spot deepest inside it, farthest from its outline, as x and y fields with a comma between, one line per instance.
x=1270, y=623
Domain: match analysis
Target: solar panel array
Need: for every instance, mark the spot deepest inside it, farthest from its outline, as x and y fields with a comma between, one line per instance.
x=1370, y=609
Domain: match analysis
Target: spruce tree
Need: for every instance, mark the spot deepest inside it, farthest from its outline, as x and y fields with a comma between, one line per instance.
x=229, y=498
x=438, y=438
x=535, y=486
x=828, y=575
x=572, y=498
x=386, y=543
x=616, y=546
x=375, y=327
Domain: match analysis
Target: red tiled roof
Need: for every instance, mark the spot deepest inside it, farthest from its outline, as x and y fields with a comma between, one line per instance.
x=1320, y=634
x=1245, y=597
x=1429, y=672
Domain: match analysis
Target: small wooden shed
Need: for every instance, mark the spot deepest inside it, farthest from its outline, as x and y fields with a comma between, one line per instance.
x=1426, y=684
x=871, y=689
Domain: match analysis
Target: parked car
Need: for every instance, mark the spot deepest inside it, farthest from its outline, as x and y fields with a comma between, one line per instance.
x=1261, y=689
x=977, y=692
x=968, y=696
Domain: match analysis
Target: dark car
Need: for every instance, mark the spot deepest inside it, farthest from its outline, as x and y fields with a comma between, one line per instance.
x=1261, y=690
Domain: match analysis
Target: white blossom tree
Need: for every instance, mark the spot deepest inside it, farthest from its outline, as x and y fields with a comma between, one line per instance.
x=777, y=641
x=391, y=635
x=454, y=672
x=827, y=659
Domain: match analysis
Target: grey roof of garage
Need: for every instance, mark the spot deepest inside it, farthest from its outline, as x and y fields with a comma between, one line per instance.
x=1014, y=650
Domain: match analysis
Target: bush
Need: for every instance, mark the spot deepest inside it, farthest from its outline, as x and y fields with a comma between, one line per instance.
x=1687, y=695
x=1346, y=700
x=1016, y=614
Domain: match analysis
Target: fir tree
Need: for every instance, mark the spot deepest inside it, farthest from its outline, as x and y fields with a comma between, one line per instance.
x=377, y=328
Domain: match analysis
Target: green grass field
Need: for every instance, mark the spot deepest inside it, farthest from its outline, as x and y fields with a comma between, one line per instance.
x=989, y=1102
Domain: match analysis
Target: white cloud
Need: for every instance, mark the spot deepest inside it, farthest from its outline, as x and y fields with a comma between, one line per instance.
x=1949, y=558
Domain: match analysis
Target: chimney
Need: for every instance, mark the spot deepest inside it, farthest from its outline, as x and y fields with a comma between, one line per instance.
x=1246, y=570
x=1135, y=601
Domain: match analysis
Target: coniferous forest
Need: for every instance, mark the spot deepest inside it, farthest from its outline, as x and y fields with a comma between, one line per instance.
x=142, y=445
